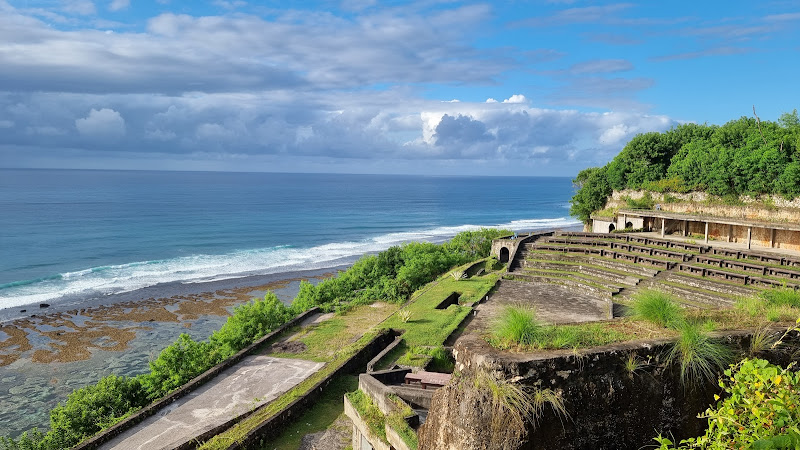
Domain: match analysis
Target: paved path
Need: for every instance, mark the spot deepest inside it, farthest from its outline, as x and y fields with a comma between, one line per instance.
x=251, y=383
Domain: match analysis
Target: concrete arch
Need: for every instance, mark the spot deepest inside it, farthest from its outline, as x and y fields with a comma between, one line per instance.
x=611, y=228
x=505, y=254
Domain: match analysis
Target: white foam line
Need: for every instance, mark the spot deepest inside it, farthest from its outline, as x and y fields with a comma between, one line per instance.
x=203, y=268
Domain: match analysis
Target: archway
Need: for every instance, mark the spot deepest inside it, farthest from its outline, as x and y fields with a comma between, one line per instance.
x=504, y=255
x=611, y=228
x=629, y=225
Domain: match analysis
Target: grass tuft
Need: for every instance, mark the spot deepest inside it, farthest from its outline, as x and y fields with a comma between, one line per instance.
x=699, y=356
x=657, y=307
x=517, y=325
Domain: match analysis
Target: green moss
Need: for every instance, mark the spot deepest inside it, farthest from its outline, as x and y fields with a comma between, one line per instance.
x=370, y=413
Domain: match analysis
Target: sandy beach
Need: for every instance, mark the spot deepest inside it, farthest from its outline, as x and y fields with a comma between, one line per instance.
x=45, y=353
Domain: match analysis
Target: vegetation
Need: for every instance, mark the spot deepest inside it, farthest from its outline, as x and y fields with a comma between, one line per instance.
x=513, y=405
x=391, y=275
x=324, y=413
x=700, y=357
x=759, y=410
x=369, y=412
x=656, y=307
x=742, y=157
x=518, y=327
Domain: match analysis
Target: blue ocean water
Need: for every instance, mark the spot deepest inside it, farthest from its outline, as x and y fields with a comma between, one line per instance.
x=84, y=233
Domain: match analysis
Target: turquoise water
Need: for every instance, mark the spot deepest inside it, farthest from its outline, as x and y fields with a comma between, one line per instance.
x=78, y=234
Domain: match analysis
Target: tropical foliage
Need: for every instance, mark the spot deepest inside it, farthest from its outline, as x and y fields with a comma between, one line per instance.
x=742, y=157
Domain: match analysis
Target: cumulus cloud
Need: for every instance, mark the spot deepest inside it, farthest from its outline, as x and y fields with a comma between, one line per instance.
x=102, y=123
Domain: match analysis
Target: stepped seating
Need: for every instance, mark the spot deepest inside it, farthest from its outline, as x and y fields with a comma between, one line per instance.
x=619, y=265
x=637, y=256
x=761, y=257
x=640, y=239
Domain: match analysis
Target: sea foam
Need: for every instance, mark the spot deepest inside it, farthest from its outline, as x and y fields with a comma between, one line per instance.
x=115, y=279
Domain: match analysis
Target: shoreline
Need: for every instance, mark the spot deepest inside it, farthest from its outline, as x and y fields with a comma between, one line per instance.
x=73, y=344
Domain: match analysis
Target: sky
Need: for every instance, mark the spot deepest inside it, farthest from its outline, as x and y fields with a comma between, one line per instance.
x=539, y=88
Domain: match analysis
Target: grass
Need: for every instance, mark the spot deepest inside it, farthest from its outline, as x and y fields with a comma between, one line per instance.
x=700, y=357
x=656, y=307
x=427, y=326
x=370, y=413
x=323, y=340
x=773, y=305
x=320, y=417
x=517, y=327
x=514, y=405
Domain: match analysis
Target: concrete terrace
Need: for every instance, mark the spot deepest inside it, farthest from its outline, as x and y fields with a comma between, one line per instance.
x=253, y=382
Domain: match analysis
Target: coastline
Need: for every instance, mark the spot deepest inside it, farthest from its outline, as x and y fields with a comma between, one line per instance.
x=47, y=353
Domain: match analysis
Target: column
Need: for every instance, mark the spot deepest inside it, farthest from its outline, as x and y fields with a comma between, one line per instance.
x=663, y=225
x=730, y=233
x=706, y=232
x=685, y=228
x=772, y=238
x=749, y=236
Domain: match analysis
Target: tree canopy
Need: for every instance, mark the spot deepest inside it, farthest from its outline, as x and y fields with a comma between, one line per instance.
x=742, y=157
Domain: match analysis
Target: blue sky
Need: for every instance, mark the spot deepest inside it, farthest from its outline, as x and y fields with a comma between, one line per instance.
x=357, y=86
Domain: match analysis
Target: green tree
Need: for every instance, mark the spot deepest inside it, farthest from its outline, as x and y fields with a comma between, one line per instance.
x=592, y=192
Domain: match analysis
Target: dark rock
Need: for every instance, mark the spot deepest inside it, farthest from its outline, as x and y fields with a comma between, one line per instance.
x=23, y=310
x=44, y=305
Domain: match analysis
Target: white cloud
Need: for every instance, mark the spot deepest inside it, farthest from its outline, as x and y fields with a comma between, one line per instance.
x=516, y=98
x=102, y=123
x=118, y=5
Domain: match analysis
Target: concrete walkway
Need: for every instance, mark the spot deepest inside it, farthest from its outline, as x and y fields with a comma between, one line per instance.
x=251, y=383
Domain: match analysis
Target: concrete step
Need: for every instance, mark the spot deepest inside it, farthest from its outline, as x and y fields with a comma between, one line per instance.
x=633, y=269
x=597, y=272
x=566, y=281
x=690, y=296
x=577, y=275
x=711, y=285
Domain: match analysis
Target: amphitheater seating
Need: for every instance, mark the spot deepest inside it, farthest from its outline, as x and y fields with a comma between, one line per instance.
x=619, y=265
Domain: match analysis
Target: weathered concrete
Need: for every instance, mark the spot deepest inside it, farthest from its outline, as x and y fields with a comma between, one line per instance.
x=253, y=382
x=609, y=406
x=553, y=304
x=154, y=408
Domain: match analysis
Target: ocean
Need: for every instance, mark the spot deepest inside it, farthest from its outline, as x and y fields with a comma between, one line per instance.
x=74, y=235
x=166, y=247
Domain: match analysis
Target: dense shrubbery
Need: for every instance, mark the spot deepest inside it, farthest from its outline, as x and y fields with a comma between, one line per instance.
x=391, y=275
x=727, y=161
x=394, y=274
x=760, y=411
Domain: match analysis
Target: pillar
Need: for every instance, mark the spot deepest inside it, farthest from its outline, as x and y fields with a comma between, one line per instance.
x=730, y=233
x=749, y=236
x=685, y=228
x=663, y=225
x=706, y=232
x=772, y=238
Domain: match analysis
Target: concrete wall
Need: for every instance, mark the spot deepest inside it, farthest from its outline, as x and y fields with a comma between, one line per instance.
x=601, y=225
x=609, y=406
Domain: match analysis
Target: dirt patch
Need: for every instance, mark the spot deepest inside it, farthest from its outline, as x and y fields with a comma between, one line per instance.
x=288, y=347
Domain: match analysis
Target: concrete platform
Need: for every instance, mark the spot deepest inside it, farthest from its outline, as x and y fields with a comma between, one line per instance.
x=251, y=383
x=553, y=304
